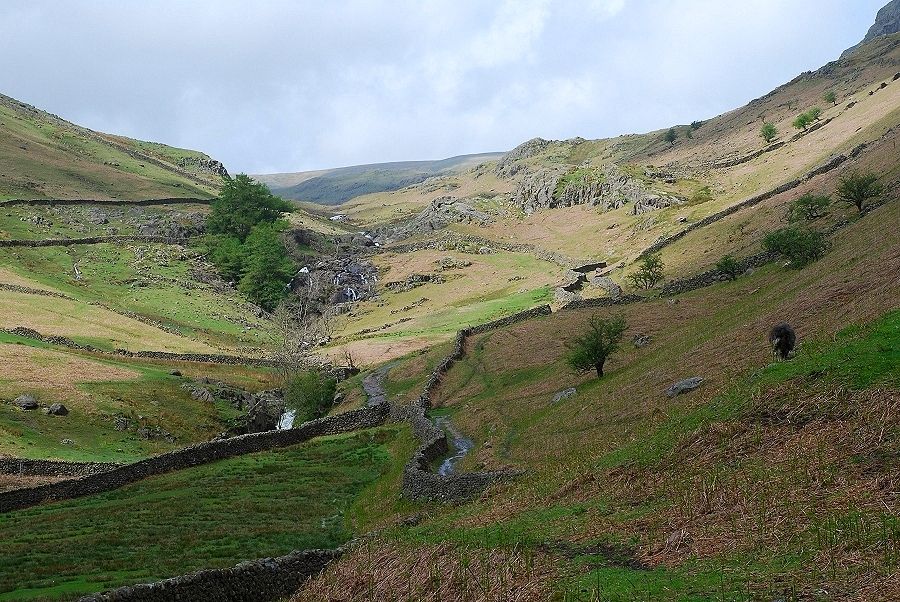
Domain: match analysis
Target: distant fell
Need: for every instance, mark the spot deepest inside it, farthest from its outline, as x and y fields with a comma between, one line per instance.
x=887, y=22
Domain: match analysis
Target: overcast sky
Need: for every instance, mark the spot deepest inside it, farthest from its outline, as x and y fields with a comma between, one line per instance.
x=290, y=86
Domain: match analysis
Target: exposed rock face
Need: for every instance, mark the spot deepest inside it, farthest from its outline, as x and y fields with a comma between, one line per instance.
x=210, y=166
x=509, y=165
x=58, y=409
x=608, y=189
x=607, y=284
x=442, y=212
x=683, y=386
x=887, y=21
x=564, y=394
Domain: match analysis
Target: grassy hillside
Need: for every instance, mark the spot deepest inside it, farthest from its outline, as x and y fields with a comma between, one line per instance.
x=43, y=156
x=336, y=186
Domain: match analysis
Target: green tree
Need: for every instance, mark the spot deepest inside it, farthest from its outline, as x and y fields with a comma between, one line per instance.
x=814, y=114
x=857, y=188
x=729, y=267
x=671, y=136
x=310, y=394
x=808, y=207
x=696, y=125
x=227, y=254
x=649, y=273
x=768, y=132
x=242, y=204
x=267, y=269
x=802, y=121
x=801, y=246
x=831, y=97
x=590, y=350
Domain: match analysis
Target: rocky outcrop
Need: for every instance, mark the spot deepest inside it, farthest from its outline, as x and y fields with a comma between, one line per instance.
x=509, y=165
x=442, y=212
x=203, y=165
x=887, y=22
x=607, y=188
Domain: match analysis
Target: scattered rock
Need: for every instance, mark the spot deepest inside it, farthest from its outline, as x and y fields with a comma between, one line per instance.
x=564, y=394
x=684, y=386
x=67, y=442
x=641, y=340
x=175, y=373
x=564, y=297
x=58, y=409
x=201, y=394
x=607, y=284
x=121, y=423
x=26, y=402
x=338, y=398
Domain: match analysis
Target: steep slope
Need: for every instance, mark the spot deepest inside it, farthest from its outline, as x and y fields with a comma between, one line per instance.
x=886, y=22
x=44, y=156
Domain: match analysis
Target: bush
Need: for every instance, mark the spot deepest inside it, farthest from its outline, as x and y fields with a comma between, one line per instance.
x=808, y=207
x=589, y=351
x=649, y=273
x=702, y=195
x=696, y=125
x=802, y=121
x=267, y=268
x=857, y=188
x=729, y=267
x=831, y=97
x=227, y=254
x=310, y=394
x=768, y=132
x=671, y=136
x=800, y=245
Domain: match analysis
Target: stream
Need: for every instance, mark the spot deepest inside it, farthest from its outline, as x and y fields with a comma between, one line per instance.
x=462, y=445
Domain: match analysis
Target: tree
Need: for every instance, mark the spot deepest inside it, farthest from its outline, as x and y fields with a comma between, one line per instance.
x=298, y=329
x=768, y=132
x=310, y=394
x=808, y=207
x=267, y=270
x=831, y=97
x=696, y=125
x=227, y=254
x=857, y=188
x=242, y=204
x=649, y=273
x=671, y=136
x=590, y=350
x=729, y=267
x=814, y=114
x=800, y=245
x=802, y=121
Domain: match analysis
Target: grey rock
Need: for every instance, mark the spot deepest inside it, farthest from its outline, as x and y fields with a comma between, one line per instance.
x=608, y=284
x=641, y=340
x=175, y=373
x=564, y=297
x=564, y=394
x=201, y=394
x=121, y=423
x=684, y=386
x=26, y=402
x=887, y=22
x=58, y=409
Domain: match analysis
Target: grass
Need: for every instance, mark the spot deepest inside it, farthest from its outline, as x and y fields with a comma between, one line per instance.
x=216, y=515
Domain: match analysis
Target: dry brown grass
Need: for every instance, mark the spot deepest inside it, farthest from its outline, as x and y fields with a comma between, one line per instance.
x=8, y=482
x=381, y=571
x=54, y=372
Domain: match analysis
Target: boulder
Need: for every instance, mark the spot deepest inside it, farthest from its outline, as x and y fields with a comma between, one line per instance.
x=201, y=394
x=607, y=284
x=641, y=340
x=26, y=402
x=175, y=373
x=564, y=394
x=121, y=423
x=684, y=386
x=57, y=409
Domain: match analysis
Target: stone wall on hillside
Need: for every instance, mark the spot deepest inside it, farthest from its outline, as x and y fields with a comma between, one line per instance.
x=93, y=240
x=261, y=580
x=201, y=453
x=108, y=202
x=710, y=277
x=53, y=468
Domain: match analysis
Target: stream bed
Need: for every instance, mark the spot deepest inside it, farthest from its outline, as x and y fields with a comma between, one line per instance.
x=460, y=444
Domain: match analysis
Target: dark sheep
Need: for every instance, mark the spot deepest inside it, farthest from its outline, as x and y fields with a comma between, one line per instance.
x=782, y=338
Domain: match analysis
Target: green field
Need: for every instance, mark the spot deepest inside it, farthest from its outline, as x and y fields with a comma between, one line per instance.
x=265, y=504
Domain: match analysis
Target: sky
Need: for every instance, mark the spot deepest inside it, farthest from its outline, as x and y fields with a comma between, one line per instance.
x=282, y=86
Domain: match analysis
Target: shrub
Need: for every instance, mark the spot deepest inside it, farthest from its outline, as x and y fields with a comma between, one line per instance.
x=808, y=207
x=800, y=245
x=589, y=351
x=671, y=136
x=267, y=268
x=227, y=254
x=310, y=394
x=702, y=195
x=696, y=125
x=768, y=132
x=814, y=113
x=649, y=273
x=831, y=97
x=857, y=188
x=802, y=121
x=729, y=267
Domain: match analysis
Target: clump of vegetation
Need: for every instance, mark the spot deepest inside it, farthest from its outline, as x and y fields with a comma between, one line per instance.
x=310, y=394
x=671, y=136
x=649, y=273
x=590, y=350
x=703, y=194
x=801, y=246
x=803, y=121
x=244, y=242
x=808, y=207
x=696, y=125
x=857, y=188
x=831, y=97
x=729, y=267
x=768, y=132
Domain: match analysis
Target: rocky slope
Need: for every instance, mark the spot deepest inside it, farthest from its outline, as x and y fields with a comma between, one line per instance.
x=887, y=21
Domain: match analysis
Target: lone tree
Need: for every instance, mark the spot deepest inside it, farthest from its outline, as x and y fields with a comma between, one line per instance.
x=803, y=120
x=729, y=267
x=801, y=246
x=768, y=132
x=671, y=136
x=831, y=97
x=857, y=188
x=649, y=273
x=590, y=350
x=808, y=207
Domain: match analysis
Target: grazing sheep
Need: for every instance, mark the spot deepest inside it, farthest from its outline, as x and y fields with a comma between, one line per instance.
x=783, y=338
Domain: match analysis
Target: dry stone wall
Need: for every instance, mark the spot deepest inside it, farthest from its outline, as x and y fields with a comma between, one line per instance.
x=260, y=580
x=53, y=468
x=93, y=240
x=106, y=202
x=195, y=455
